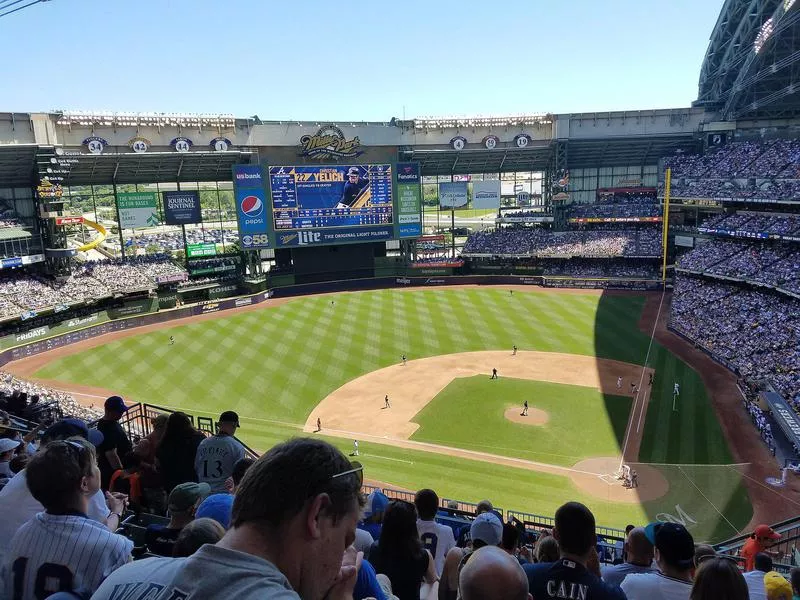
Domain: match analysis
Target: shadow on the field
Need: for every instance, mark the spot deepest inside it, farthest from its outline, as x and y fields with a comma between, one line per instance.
x=704, y=494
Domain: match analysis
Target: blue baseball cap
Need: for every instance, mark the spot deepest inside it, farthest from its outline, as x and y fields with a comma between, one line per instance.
x=116, y=404
x=67, y=428
x=377, y=502
x=217, y=507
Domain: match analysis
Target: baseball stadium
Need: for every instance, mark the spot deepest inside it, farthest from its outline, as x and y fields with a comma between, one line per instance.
x=593, y=307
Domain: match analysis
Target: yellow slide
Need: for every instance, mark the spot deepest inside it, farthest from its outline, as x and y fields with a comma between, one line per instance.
x=98, y=240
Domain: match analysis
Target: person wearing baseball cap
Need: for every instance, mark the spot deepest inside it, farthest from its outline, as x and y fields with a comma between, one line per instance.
x=182, y=504
x=353, y=187
x=372, y=520
x=7, y=448
x=777, y=587
x=217, y=455
x=115, y=444
x=569, y=577
x=674, y=555
x=217, y=507
x=762, y=538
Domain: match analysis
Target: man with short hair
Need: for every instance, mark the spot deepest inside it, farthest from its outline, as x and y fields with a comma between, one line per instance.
x=639, y=552
x=115, y=445
x=755, y=578
x=294, y=518
x=62, y=549
x=569, y=576
x=239, y=469
x=492, y=574
x=217, y=455
x=17, y=504
x=437, y=538
x=674, y=554
x=182, y=505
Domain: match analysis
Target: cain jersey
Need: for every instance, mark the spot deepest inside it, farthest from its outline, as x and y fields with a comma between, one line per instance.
x=52, y=553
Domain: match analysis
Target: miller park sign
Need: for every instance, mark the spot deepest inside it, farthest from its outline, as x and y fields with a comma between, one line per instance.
x=329, y=143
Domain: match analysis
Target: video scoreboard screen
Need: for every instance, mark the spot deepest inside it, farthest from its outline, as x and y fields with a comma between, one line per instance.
x=330, y=196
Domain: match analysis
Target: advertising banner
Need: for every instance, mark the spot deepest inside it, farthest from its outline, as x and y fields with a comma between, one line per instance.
x=196, y=250
x=167, y=299
x=409, y=199
x=181, y=208
x=334, y=236
x=172, y=278
x=223, y=291
x=69, y=220
x=453, y=194
x=137, y=209
x=11, y=263
x=486, y=194
x=135, y=307
x=251, y=206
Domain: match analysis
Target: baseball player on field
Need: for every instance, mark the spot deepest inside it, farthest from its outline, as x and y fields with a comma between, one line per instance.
x=62, y=549
x=619, y=383
x=386, y=402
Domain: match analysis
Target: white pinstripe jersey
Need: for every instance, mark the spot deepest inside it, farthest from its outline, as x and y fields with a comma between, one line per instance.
x=52, y=553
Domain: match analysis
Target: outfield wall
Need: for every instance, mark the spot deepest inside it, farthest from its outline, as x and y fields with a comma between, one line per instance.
x=42, y=339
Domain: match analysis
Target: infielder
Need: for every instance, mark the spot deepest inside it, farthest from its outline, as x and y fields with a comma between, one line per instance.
x=513, y=350
x=404, y=360
x=494, y=374
x=355, y=447
x=386, y=402
x=319, y=424
x=524, y=412
x=619, y=383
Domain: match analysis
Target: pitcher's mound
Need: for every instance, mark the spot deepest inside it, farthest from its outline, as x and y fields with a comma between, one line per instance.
x=535, y=416
x=596, y=476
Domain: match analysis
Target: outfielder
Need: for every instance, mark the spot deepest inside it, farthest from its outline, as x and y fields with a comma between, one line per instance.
x=676, y=389
x=171, y=340
x=404, y=360
x=619, y=383
x=355, y=447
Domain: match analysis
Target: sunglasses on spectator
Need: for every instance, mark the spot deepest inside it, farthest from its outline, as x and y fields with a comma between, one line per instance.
x=357, y=469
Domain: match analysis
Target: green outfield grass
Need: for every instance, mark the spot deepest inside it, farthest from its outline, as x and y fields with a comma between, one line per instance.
x=468, y=413
x=274, y=365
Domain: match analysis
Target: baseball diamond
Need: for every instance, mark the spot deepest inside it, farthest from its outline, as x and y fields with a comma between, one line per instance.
x=286, y=363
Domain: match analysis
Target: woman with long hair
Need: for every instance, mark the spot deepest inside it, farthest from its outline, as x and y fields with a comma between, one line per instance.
x=719, y=578
x=399, y=553
x=176, y=451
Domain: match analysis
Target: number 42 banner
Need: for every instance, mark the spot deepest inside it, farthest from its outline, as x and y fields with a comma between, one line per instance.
x=137, y=209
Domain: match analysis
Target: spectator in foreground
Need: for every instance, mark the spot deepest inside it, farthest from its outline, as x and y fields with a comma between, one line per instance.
x=755, y=578
x=218, y=507
x=485, y=530
x=177, y=451
x=702, y=552
x=63, y=476
x=239, y=469
x=761, y=539
x=183, y=502
x=463, y=539
x=639, y=553
x=377, y=502
x=218, y=454
x=293, y=522
x=795, y=580
x=777, y=587
x=719, y=578
x=17, y=505
x=547, y=549
x=399, y=553
x=674, y=555
x=115, y=444
x=436, y=538
x=493, y=574
x=195, y=534
x=576, y=534
x=154, y=497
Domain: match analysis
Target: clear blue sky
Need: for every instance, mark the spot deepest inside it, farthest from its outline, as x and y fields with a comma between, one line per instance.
x=354, y=60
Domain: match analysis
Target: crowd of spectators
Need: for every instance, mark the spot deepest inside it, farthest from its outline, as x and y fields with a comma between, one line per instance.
x=739, y=170
x=621, y=205
x=756, y=223
x=590, y=243
x=760, y=422
x=582, y=269
x=757, y=332
x=21, y=293
x=173, y=240
x=296, y=524
x=772, y=264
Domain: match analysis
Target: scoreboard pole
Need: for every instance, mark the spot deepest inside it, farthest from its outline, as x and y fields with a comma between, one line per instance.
x=453, y=230
x=665, y=222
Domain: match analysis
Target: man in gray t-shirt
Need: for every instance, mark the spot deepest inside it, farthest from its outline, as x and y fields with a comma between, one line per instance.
x=298, y=505
x=217, y=455
x=640, y=558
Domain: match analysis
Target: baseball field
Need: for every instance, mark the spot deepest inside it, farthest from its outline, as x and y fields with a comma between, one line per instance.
x=335, y=358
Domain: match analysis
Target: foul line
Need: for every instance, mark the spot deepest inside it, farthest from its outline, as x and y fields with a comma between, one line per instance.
x=770, y=488
x=408, y=462
x=714, y=506
x=636, y=405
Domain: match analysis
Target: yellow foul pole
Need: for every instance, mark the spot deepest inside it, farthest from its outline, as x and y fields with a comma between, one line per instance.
x=665, y=219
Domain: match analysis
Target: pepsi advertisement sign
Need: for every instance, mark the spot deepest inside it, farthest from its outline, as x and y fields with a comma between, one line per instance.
x=251, y=210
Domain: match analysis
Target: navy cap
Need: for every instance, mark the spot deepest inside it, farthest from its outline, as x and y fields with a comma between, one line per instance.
x=67, y=428
x=116, y=404
x=352, y=171
x=673, y=541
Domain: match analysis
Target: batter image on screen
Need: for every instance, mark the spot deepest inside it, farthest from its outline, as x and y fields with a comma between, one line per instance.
x=322, y=196
x=353, y=189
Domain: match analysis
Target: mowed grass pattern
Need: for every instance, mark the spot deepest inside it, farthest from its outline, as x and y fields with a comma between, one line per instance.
x=469, y=413
x=274, y=365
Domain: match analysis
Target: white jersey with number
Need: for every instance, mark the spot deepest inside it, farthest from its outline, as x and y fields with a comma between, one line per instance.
x=437, y=539
x=52, y=553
